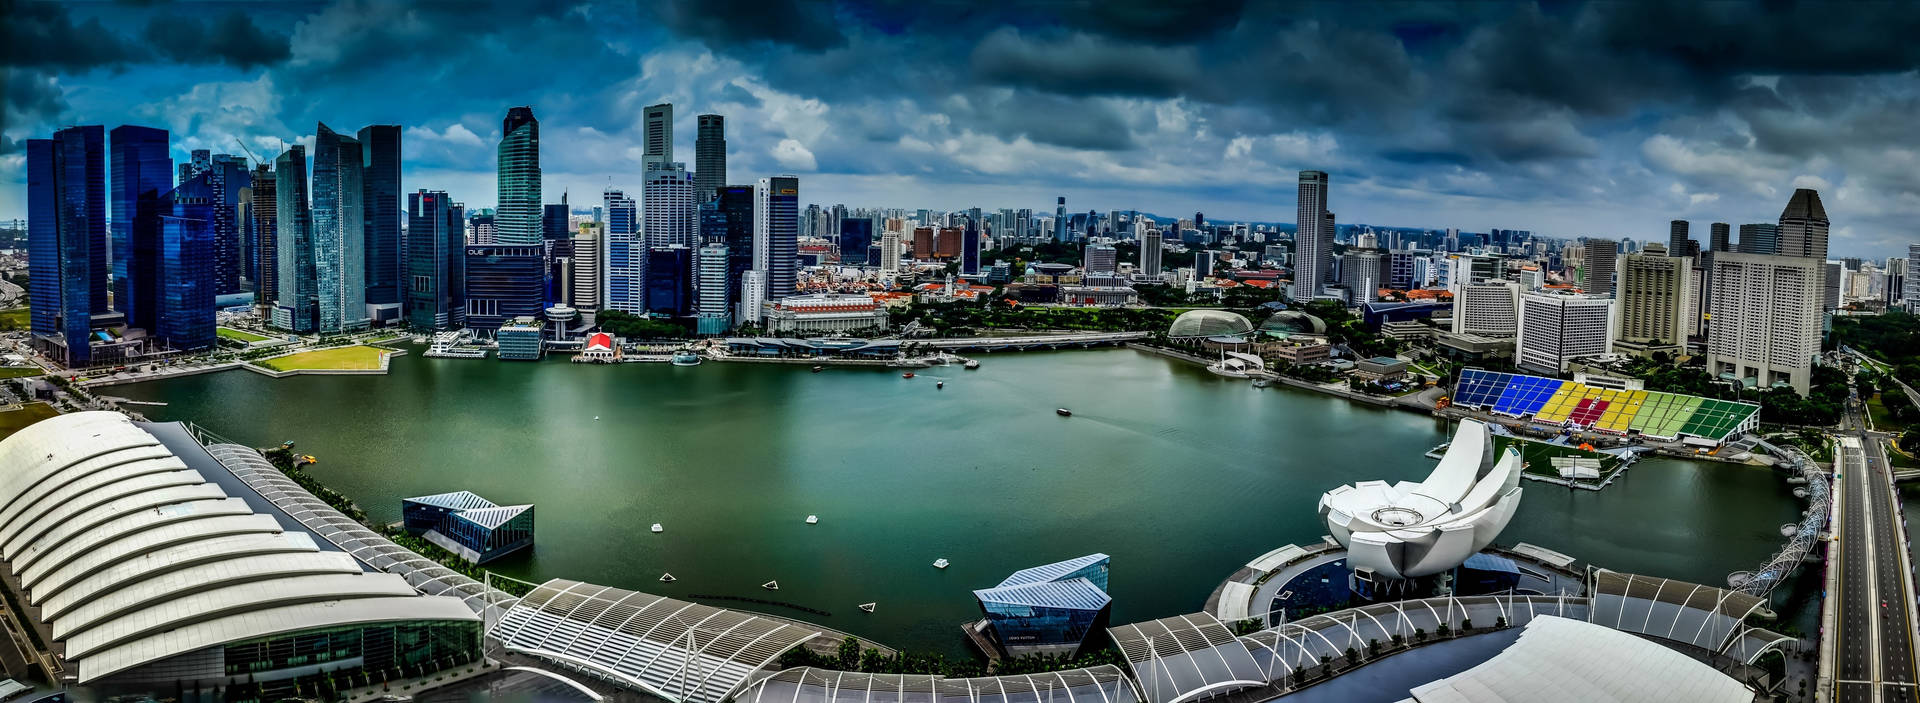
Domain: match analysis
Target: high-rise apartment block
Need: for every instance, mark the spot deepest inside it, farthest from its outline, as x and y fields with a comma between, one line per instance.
x=1766, y=319
x=1652, y=303
x=1489, y=309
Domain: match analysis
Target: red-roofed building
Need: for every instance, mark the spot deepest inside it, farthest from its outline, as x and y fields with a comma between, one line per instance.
x=601, y=348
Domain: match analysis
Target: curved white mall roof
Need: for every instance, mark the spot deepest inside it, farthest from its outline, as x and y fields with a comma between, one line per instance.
x=1408, y=530
x=1558, y=659
x=135, y=556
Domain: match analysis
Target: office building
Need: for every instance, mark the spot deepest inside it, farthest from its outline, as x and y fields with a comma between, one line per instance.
x=187, y=259
x=1719, y=237
x=1048, y=610
x=339, y=233
x=556, y=221
x=658, y=146
x=710, y=156
x=502, y=282
x=263, y=228
x=1312, y=238
x=215, y=594
x=668, y=209
x=1803, y=226
x=1600, y=256
x=1059, y=223
x=517, y=219
x=67, y=241
x=1203, y=263
x=1766, y=319
x=1653, y=302
x=1556, y=328
x=669, y=275
x=383, y=208
x=625, y=255
x=1099, y=259
x=1677, y=238
x=228, y=181
x=1762, y=238
x=712, y=311
x=824, y=313
x=969, y=247
x=520, y=339
x=735, y=204
x=471, y=527
x=584, y=283
x=141, y=174
x=295, y=308
x=856, y=234
x=198, y=161
x=1150, y=252
x=776, y=235
x=1831, y=275
x=1489, y=309
x=1364, y=271
x=1896, y=283
x=436, y=262
x=753, y=296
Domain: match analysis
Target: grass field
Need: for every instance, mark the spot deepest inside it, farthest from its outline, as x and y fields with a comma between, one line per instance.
x=20, y=371
x=238, y=335
x=354, y=357
x=13, y=421
x=15, y=319
x=1539, y=456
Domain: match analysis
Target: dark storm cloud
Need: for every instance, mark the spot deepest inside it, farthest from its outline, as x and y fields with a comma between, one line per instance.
x=1082, y=64
x=799, y=23
x=43, y=35
x=1048, y=119
x=232, y=39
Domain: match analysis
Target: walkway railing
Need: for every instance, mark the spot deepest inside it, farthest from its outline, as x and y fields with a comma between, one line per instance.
x=1762, y=581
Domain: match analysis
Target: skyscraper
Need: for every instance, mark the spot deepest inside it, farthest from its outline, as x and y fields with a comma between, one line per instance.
x=1556, y=328
x=228, y=180
x=199, y=160
x=263, y=226
x=187, y=263
x=339, y=233
x=589, y=267
x=293, y=309
x=1719, y=237
x=1910, y=290
x=1599, y=256
x=659, y=135
x=710, y=156
x=1488, y=309
x=1766, y=319
x=67, y=240
x=517, y=219
x=382, y=211
x=776, y=235
x=890, y=250
x=711, y=290
x=670, y=280
x=1059, y=221
x=1652, y=307
x=1803, y=226
x=735, y=203
x=969, y=248
x=1677, y=238
x=436, y=259
x=668, y=206
x=1312, y=238
x=1098, y=259
x=856, y=234
x=553, y=221
x=142, y=171
x=1151, y=249
x=1762, y=238
x=503, y=281
x=624, y=255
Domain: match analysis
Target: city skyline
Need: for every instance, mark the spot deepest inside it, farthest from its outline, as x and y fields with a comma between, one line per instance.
x=1396, y=104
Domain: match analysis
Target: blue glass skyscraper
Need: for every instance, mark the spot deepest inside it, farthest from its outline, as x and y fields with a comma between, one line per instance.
x=381, y=209
x=856, y=234
x=339, y=233
x=186, y=263
x=669, y=274
x=229, y=180
x=294, y=310
x=519, y=214
x=624, y=255
x=436, y=257
x=970, y=248
x=67, y=240
x=502, y=282
x=142, y=171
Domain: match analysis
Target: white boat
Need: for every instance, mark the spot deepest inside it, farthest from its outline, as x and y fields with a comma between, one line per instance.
x=813, y=519
x=771, y=585
x=686, y=357
x=972, y=364
x=658, y=528
x=868, y=606
x=667, y=578
x=940, y=563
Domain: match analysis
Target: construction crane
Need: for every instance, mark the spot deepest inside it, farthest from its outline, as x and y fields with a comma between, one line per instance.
x=243, y=147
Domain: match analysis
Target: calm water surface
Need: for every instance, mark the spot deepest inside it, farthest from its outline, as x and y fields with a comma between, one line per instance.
x=1179, y=475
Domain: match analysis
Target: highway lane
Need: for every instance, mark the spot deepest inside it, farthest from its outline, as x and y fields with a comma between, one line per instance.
x=1895, y=649
x=1854, y=673
x=1874, y=634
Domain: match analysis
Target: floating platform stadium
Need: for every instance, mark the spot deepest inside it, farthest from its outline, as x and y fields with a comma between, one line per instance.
x=1557, y=403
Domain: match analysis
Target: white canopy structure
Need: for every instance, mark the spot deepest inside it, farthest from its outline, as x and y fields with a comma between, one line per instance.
x=1559, y=659
x=1409, y=530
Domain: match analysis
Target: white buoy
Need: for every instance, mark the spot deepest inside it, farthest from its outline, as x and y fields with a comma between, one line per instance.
x=658, y=528
x=813, y=519
x=596, y=417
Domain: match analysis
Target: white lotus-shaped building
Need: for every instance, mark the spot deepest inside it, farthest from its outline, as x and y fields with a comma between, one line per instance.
x=1408, y=530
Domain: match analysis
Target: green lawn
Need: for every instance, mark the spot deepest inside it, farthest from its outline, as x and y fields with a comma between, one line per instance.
x=13, y=421
x=1897, y=459
x=1882, y=420
x=354, y=357
x=15, y=319
x=1539, y=455
x=239, y=335
x=20, y=371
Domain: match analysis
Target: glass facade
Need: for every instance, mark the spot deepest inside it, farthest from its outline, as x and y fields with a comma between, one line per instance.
x=777, y=231
x=436, y=262
x=187, y=264
x=519, y=215
x=856, y=235
x=670, y=280
x=735, y=206
x=625, y=290
x=293, y=245
x=521, y=340
x=1022, y=625
x=370, y=654
x=68, y=243
x=380, y=202
x=339, y=233
x=1049, y=609
x=142, y=171
x=502, y=283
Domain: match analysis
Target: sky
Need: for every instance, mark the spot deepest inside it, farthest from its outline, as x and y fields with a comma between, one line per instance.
x=1564, y=118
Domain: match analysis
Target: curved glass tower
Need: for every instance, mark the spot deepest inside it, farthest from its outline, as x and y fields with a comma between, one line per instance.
x=518, y=217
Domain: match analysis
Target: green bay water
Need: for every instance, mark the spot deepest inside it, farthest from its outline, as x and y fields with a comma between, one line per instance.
x=1180, y=475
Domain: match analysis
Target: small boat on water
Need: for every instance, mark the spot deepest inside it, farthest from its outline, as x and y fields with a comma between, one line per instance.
x=686, y=357
x=596, y=417
x=1063, y=412
x=940, y=563
x=771, y=585
x=818, y=369
x=939, y=384
x=813, y=519
x=667, y=578
x=972, y=364
x=657, y=528
x=868, y=606
x=1261, y=383
x=908, y=374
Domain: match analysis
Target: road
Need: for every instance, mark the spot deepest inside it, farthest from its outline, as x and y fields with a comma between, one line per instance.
x=1874, y=633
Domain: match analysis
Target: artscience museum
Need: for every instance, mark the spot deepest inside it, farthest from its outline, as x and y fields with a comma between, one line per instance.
x=1408, y=530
